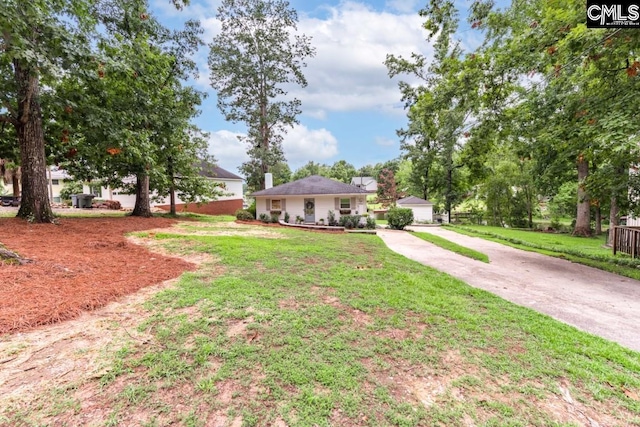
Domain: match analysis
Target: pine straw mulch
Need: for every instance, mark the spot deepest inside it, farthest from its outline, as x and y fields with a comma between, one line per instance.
x=78, y=264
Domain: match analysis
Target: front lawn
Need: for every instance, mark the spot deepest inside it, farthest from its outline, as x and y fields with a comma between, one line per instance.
x=290, y=328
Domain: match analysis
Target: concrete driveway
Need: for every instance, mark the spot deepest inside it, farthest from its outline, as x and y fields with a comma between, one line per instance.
x=592, y=300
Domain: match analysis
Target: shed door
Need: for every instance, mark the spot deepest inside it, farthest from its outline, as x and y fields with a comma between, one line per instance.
x=310, y=210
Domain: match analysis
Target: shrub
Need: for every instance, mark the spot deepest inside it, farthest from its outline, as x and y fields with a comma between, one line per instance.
x=399, y=218
x=275, y=218
x=299, y=219
x=69, y=188
x=331, y=219
x=286, y=217
x=371, y=223
x=349, y=221
x=252, y=208
x=264, y=218
x=244, y=215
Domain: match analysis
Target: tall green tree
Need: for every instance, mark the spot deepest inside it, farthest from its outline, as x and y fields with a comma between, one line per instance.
x=311, y=168
x=38, y=41
x=41, y=42
x=255, y=56
x=342, y=171
x=585, y=81
x=129, y=116
x=439, y=108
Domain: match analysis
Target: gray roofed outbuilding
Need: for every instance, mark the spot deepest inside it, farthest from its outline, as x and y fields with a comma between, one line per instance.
x=311, y=185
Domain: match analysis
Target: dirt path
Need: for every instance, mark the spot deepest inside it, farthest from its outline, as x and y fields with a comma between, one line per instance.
x=592, y=300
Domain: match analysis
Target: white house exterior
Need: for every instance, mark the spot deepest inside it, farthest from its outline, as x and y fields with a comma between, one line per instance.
x=56, y=178
x=365, y=182
x=227, y=203
x=422, y=209
x=311, y=199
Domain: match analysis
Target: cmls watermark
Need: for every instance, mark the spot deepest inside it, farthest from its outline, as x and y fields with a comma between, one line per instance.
x=613, y=14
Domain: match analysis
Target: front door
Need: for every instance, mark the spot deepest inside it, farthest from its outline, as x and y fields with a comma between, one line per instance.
x=310, y=210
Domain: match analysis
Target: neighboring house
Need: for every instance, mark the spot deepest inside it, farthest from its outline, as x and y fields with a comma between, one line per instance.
x=56, y=178
x=422, y=209
x=226, y=204
x=310, y=198
x=366, y=183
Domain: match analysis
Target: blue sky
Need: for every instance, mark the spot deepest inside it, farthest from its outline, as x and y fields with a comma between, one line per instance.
x=351, y=109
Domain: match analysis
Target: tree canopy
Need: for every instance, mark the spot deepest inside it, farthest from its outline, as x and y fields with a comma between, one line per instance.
x=541, y=102
x=109, y=104
x=252, y=59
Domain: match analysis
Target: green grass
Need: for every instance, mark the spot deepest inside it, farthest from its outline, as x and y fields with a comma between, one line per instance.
x=314, y=329
x=453, y=247
x=583, y=250
x=552, y=241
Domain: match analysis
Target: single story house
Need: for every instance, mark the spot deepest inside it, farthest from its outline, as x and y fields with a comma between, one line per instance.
x=311, y=199
x=366, y=182
x=422, y=209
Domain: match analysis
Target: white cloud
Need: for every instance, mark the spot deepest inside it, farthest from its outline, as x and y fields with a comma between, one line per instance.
x=352, y=42
x=318, y=114
x=348, y=71
x=229, y=152
x=302, y=144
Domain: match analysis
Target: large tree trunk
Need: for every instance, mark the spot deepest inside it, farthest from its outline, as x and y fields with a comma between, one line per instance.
x=614, y=218
x=143, y=205
x=583, y=220
x=35, y=205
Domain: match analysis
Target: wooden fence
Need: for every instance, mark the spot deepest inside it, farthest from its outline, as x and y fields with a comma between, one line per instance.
x=626, y=240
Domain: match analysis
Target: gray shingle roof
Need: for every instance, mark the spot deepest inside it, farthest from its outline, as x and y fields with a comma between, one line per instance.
x=212, y=171
x=413, y=200
x=311, y=185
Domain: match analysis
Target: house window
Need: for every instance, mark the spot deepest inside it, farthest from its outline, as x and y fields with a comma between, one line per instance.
x=345, y=203
x=95, y=190
x=55, y=182
x=276, y=205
